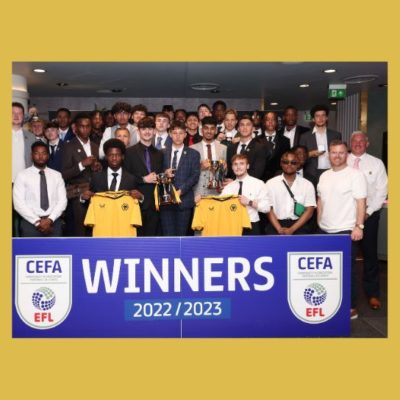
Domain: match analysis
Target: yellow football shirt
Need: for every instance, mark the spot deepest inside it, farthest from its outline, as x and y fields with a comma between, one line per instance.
x=220, y=216
x=113, y=214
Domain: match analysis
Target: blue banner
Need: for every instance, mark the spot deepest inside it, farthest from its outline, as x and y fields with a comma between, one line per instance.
x=265, y=286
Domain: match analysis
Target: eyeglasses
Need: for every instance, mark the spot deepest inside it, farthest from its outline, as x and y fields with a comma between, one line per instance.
x=287, y=162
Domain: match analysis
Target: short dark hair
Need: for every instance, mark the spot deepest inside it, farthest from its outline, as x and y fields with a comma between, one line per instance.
x=121, y=106
x=52, y=124
x=219, y=103
x=192, y=114
x=146, y=122
x=209, y=121
x=82, y=115
x=300, y=146
x=139, y=107
x=246, y=116
x=167, y=107
x=203, y=105
x=290, y=107
x=176, y=124
x=287, y=153
x=95, y=112
x=63, y=109
x=319, y=107
x=113, y=144
x=39, y=143
x=18, y=105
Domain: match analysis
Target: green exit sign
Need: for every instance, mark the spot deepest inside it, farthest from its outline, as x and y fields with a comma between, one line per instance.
x=337, y=93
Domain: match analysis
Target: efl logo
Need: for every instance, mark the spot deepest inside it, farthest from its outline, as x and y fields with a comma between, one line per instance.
x=315, y=285
x=43, y=289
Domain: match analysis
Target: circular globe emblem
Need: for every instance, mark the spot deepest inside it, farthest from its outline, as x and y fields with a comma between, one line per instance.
x=315, y=294
x=43, y=298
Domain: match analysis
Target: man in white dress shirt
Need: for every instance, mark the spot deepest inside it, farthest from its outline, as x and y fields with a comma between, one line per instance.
x=375, y=174
x=161, y=138
x=39, y=196
x=283, y=191
x=252, y=192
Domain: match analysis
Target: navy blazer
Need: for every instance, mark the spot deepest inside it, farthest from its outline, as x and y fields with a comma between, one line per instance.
x=55, y=159
x=308, y=139
x=186, y=175
x=69, y=136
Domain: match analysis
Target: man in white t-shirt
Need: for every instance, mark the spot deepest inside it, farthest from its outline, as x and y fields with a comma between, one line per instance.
x=342, y=193
x=283, y=191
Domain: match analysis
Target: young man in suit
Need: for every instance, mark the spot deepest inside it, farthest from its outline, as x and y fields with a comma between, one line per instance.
x=318, y=141
x=114, y=177
x=209, y=150
x=192, y=128
x=79, y=161
x=275, y=142
x=39, y=196
x=161, y=137
x=55, y=145
x=257, y=153
x=290, y=128
x=182, y=164
x=122, y=113
x=144, y=162
x=63, y=117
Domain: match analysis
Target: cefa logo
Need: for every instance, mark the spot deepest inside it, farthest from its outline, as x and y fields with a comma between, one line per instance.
x=43, y=289
x=311, y=276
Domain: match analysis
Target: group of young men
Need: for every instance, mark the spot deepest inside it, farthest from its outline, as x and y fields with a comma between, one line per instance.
x=294, y=180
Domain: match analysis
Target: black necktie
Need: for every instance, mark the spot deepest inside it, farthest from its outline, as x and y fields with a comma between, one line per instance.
x=114, y=182
x=175, y=159
x=243, y=149
x=52, y=149
x=240, y=187
x=269, y=139
x=44, y=197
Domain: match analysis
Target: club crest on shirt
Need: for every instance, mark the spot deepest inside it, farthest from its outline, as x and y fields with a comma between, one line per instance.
x=125, y=207
x=233, y=207
x=102, y=205
x=211, y=208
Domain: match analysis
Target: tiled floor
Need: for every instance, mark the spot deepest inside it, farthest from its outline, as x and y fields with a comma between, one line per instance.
x=371, y=323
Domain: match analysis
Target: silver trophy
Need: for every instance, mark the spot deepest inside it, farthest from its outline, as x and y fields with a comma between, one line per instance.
x=216, y=175
x=165, y=195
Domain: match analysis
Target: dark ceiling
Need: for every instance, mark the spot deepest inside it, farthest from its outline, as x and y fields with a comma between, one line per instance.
x=273, y=81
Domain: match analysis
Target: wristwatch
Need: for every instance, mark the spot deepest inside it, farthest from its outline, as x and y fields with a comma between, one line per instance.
x=361, y=226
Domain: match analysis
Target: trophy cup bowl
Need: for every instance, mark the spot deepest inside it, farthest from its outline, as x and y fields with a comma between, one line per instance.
x=164, y=189
x=213, y=182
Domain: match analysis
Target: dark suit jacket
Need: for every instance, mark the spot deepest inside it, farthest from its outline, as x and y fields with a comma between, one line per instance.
x=297, y=133
x=72, y=155
x=69, y=136
x=135, y=164
x=55, y=159
x=186, y=175
x=99, y=182
x=280, y=146
x=258, y=153
x=308, y=139
x=196, y=139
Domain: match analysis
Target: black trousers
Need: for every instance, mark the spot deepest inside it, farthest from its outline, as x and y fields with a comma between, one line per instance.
x=306, y=229
x=369, y=246
x=254, y=231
